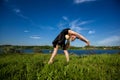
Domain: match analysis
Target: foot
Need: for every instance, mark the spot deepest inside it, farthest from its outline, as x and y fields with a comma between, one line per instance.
x=67, y=61
x=50, y=62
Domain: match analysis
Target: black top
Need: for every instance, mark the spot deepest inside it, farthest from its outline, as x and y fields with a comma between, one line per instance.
x=60, y=39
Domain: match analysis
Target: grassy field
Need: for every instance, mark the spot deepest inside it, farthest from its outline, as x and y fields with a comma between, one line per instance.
x=35, y=67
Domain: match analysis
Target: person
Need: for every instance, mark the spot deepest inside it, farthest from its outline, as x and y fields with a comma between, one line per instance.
x=63, y=40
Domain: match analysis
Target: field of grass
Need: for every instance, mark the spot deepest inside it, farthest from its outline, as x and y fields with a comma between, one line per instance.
x=35, y=67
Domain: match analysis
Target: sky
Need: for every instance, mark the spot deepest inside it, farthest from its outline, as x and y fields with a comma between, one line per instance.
x=38, y=22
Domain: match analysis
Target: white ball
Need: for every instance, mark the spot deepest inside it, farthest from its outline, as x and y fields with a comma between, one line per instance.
x=67, y=37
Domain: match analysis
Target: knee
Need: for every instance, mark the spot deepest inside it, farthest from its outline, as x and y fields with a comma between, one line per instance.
x=65, y=51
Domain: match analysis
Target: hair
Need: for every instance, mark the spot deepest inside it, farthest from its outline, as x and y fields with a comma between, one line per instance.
x=67, y=45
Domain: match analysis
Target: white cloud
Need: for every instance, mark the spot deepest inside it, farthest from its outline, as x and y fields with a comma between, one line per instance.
x=16, y=10
x=83, y=22
x=35, y=37
x=113, y=40
x=26, y=31
x=91, y=32
x=19, y=13
x=24, y=17
x=65, y=18
x=75, y=25
x=82, y=1
x=63, y=25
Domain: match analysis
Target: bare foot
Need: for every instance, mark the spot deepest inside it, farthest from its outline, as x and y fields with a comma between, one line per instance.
x=50, y=62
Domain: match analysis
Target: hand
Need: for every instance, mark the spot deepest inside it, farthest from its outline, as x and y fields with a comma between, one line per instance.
x=88, y=43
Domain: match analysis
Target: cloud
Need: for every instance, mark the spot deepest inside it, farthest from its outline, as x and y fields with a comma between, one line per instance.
x=63, y=25
x=19, y=13
x=35, y=37
x=110, y=41
x=91, y=32
x=83, y=22
x=76, y=25
x=16, y=10
x=82, y=1
x=26, y=31
x=65, y=18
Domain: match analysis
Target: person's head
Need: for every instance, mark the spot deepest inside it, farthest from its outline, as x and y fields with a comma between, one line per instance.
x=72, y=37
x=67, y=37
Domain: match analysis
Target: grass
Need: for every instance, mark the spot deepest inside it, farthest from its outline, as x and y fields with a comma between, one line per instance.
x=35, y=67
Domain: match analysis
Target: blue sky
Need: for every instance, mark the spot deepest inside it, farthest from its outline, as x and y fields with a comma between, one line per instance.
x=38, y=22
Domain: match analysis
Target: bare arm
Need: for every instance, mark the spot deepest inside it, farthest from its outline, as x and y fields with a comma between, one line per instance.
x=79, y=36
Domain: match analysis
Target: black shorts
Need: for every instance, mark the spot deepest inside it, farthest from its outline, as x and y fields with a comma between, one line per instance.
x=60, y=39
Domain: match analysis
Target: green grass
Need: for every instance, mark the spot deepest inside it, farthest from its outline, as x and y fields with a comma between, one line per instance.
x=35, y=67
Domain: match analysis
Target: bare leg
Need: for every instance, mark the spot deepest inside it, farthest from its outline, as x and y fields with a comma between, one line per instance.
x=53, y=55
x=67, y=55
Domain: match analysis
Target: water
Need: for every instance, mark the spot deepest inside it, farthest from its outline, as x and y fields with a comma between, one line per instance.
x=87, y=51
x=78, y=52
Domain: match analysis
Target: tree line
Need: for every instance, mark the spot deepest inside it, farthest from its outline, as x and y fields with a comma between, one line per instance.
x=38, y=49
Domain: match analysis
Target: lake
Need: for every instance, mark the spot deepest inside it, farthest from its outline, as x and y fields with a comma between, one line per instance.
x=78, y=52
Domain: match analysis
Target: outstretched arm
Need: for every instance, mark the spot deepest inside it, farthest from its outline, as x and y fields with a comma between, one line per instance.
x=79, y=36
